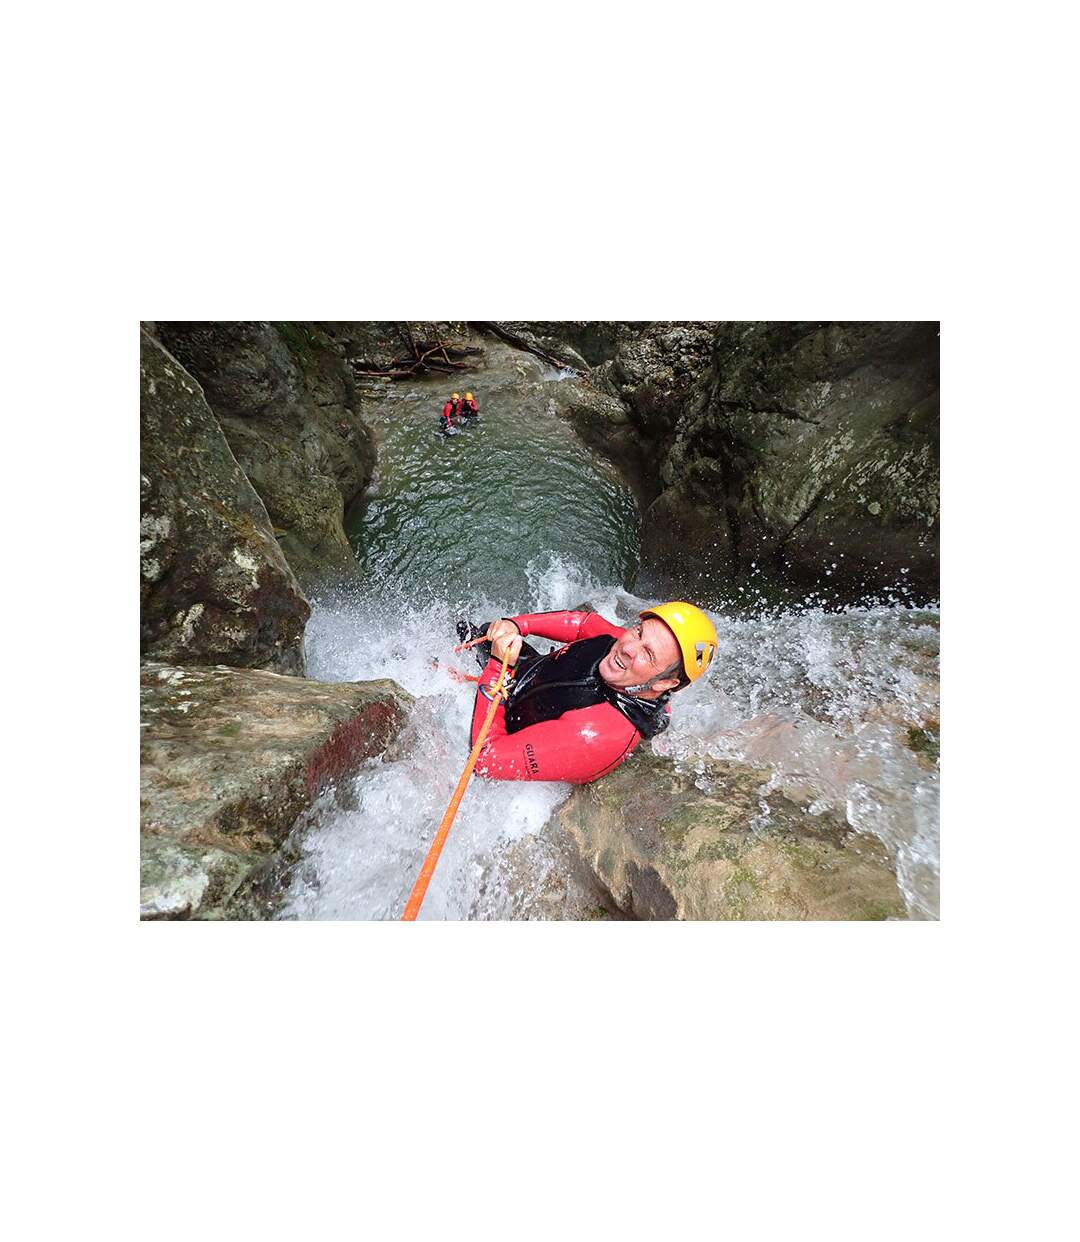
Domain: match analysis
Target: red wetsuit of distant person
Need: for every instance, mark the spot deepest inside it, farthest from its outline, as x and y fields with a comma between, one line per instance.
x=451, y=415
x=562, y=722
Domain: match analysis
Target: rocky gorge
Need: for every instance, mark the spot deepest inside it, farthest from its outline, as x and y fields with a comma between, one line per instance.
x=774, y=465
x=804, y=455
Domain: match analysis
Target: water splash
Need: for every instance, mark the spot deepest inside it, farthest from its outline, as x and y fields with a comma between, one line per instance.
x=823, y=703
x=361, y=858
x=834, y=706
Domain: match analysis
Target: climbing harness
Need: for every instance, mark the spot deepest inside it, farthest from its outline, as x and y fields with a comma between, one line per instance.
x=416, y=897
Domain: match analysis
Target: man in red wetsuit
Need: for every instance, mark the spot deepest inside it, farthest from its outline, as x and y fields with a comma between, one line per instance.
x=451, y=413
x=576, y=713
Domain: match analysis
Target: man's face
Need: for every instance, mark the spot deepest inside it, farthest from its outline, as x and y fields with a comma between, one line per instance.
x=640, y=654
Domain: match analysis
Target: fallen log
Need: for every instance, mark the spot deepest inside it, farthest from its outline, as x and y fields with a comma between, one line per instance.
x=454, y=358
x=520, y=342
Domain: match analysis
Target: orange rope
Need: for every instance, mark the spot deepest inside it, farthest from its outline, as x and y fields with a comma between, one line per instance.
x=455, y=674
x=482, y=638
x=416, y=897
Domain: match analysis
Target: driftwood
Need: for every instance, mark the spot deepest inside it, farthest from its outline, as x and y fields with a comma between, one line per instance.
x=425, y=356
x=521, y=342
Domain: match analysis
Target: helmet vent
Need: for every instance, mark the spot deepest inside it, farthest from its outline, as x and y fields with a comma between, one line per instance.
x=703, y=651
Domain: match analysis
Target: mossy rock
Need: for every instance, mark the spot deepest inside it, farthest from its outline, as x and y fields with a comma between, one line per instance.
x=214, y=583
x=286, y=399
x=666, y=849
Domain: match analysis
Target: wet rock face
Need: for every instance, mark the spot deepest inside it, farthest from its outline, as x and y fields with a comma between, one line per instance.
x=214, y=584
x=229, y=760
x=285, y=397
x=768, y=449
x=577, y=343
x=799, y=443
x=655, y=370
x=666, y=849
x=374, y=345
x=631, y=399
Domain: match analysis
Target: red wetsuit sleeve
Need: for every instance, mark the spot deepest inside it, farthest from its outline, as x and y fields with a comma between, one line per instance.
x=565, y=627
x=579, y=747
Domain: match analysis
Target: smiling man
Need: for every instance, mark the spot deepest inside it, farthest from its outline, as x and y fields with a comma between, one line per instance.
x=576, y=713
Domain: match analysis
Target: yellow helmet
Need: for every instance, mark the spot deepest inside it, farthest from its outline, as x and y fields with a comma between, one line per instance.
x=468, y=396
x=694, y=632
x=455, y=396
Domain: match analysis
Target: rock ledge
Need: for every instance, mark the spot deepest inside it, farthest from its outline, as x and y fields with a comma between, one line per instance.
x=229, y=759
x=666, y=848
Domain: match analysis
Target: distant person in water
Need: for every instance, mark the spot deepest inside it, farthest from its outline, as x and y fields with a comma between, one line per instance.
x=576, y=713
x=469, y=408
x=451, y=413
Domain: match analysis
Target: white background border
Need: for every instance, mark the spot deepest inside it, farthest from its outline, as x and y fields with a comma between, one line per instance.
x=576, y=161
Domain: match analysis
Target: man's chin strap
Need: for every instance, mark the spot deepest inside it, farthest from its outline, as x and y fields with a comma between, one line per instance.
x=648, y=685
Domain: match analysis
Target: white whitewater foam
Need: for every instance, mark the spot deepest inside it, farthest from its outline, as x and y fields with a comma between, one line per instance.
x=818, y=700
